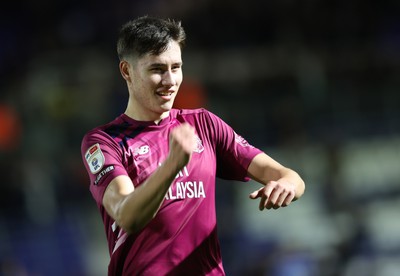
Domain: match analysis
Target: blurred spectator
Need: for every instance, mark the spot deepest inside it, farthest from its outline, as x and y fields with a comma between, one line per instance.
x=191, y=95
x=10, y=128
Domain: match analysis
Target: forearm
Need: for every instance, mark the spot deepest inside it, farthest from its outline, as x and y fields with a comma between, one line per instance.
x=264, y=169
x=132, y=208
x=140, y=206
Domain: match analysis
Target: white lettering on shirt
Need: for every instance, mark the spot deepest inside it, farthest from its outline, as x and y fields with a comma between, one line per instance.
x=187, y=189
x=103, y=173
x=182, y=173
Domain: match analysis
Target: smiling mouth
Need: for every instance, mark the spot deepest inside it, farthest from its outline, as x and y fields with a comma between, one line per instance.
x=165, y=93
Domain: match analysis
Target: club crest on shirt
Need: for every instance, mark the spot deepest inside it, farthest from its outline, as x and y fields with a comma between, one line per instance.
x=95, y=158
x=241, y=141
x=199, y=145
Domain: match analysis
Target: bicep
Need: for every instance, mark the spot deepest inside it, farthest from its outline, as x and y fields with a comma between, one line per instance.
x=264, y=168
x=118, y=189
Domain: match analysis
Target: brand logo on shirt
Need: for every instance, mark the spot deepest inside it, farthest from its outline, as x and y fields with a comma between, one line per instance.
x=94, y=158
x=141, y=151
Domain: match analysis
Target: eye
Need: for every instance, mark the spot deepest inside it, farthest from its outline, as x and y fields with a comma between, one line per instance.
x=176, y=67
x=156, y=70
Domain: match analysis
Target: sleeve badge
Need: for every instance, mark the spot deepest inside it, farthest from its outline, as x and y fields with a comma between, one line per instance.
x=95, y=158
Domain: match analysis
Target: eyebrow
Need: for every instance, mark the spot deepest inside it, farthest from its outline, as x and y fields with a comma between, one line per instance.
x=163, y=64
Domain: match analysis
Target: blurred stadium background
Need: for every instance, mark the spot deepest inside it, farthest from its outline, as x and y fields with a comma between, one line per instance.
x=314, y=83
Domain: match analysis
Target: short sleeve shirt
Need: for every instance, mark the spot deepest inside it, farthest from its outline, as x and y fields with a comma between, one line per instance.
x=182, y=238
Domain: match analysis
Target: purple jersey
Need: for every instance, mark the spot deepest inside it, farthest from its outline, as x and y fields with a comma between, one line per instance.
x=182, y=237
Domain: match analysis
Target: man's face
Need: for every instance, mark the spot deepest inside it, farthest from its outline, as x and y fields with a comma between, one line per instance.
x=155, y=81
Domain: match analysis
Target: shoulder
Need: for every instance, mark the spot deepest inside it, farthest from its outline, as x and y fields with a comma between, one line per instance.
x=193, y=112
x=200, y=117
x=196, y=113
x=204, y=121
x=196, y=117
x=97, y=133
x=100, y=133
x=118, y=121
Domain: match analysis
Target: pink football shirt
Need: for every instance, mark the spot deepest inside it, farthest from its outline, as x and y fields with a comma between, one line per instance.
x=182, y=237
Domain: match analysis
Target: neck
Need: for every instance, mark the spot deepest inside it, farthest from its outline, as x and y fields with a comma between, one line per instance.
x=155, y=117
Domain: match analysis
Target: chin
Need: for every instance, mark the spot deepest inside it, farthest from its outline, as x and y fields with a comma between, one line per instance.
x=167, y=107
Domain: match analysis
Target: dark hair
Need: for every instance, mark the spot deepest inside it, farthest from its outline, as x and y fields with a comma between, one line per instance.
x=148, y=35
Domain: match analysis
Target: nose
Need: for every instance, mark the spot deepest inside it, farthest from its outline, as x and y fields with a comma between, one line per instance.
x=168, y=78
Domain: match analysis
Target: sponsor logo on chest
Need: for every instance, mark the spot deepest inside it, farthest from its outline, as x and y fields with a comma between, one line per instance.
x=187, y=188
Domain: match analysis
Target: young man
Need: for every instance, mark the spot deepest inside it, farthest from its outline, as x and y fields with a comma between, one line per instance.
x=153, y=169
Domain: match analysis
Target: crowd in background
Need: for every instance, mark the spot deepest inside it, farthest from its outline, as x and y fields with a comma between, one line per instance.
x=314, y=83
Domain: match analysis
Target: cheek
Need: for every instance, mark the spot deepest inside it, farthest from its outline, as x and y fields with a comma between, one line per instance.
x=179, y=79
x=154, y=80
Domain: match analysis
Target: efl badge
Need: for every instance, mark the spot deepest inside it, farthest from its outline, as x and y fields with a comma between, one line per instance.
x=95, y=158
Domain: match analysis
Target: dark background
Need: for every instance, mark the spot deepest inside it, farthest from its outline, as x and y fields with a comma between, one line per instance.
x=313, y=83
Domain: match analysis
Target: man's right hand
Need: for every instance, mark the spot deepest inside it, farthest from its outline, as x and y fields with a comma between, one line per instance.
x=182, y=142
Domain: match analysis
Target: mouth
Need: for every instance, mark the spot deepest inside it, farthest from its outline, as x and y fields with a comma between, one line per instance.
x=165, y=93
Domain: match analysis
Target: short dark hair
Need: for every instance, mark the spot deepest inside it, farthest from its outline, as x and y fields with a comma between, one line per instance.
x=146, y=34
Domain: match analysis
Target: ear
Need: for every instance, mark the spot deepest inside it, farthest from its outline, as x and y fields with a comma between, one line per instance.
x=124, y=69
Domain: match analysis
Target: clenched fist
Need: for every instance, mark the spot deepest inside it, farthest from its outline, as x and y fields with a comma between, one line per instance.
x=182, y=142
